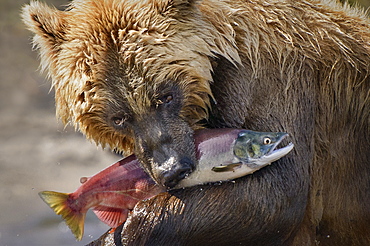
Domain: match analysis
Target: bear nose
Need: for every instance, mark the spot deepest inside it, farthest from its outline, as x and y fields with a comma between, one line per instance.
x=173, y=176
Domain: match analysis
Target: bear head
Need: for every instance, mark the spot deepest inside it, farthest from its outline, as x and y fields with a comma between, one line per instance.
x=133, y=75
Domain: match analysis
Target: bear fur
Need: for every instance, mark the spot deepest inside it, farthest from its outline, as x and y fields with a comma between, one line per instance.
x=140, y=76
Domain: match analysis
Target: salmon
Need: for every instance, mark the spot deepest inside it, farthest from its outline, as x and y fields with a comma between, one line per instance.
x=222, y=154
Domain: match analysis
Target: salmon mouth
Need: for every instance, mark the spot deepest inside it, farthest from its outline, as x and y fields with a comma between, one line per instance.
x=284, y=149
x=278, y=150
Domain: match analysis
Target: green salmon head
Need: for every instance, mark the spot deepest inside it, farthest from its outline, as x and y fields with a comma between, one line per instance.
x=254, y=145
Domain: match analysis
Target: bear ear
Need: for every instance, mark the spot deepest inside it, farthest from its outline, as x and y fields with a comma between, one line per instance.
x=47, y=23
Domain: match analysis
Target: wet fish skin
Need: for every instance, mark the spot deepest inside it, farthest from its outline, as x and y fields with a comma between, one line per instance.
x=239, y=152
x=112, y=193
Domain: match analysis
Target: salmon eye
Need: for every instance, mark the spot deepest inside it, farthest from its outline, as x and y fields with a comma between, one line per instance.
x=267, y=141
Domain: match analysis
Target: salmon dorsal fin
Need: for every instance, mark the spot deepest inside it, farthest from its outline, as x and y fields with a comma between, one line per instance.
x=113, y=217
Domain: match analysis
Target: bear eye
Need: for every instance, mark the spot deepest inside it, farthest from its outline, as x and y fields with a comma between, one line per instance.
x=168, y=98
x=267, y=140
x=118, y=121
x=165, y=99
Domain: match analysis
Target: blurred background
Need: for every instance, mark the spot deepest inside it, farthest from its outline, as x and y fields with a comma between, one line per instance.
x=36, y=151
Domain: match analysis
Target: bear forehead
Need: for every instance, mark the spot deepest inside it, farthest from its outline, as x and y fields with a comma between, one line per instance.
x=126, y=22
x=93, y=18
x=142, y=35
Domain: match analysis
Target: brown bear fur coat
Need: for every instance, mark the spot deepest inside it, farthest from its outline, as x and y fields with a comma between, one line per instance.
x=141, y=75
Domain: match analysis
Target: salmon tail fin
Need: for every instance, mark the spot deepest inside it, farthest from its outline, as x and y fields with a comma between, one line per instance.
x=59, y=203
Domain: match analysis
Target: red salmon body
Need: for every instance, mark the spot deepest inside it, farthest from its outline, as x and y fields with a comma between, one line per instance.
x=115, y=189
x=112, y=193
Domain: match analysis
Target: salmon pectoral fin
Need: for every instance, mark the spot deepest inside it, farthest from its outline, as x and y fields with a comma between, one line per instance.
x=227, y=168
x=59, y=203
x=113, y=217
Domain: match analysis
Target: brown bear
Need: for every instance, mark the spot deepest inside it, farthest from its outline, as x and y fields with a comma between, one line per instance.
x=140, y=76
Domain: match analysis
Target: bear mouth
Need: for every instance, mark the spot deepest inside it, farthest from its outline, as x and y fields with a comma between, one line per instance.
x=171, y=174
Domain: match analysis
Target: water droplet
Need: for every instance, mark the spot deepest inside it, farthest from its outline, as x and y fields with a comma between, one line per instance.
x=62, y=227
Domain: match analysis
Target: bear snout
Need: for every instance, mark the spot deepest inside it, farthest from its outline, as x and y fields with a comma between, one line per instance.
x=166, y=148
x=179, y=172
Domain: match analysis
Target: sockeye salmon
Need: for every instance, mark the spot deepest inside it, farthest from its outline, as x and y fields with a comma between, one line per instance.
x=222, y=154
